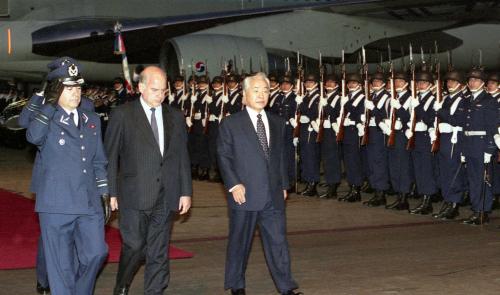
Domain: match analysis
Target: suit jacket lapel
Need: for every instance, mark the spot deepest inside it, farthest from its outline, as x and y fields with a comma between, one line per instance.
x=168, y=126
x=143, y=125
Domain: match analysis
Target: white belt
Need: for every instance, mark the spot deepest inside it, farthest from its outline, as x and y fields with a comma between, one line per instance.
x=372, y=122
x=327, y=124
x=447, y=128
x=212, y=118
x=420, y=127
x=197, y=116
x=397, y=125
x=304, y=119
x=475, y=133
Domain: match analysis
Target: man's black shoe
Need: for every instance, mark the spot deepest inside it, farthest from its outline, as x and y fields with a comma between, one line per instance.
x=120, y=290
x=41, y=289
x=238, y=292
x=291, y=292
x=477, y=219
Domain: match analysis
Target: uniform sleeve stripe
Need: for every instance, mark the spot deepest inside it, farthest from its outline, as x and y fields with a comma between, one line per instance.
x=41, y=121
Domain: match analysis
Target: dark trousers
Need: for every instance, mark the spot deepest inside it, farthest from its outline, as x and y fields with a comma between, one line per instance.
x=290, y=153
x=145, y=235
x=451, y=171
x=309, y=155
x=352, y=156
x=400, y=169
x=272, y=226
x=481, y=194
x=62, y=234
x=330, y=155
x=213, y=132
x=424, y=165
x=378, y=170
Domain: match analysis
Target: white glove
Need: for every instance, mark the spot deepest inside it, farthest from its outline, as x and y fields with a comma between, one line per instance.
x=170, y=99
x=395, y=104
x=204, y=122
x=299, y=99
x=293, y=122
x=315, y=125
x=225, y=99
x=497, y=140
x=369, y=104
x=327, y=124
x=361, y=129
x=462, y=159
x=212, y=117
x=487, y=158
x=432, y=134
x=437, y=105
x=295, y=141
x=189, y=123
x=408, y=133
x=335, y=127
x=323, y=102
x=414, y=102
x=385, y=129
x=194, y=98
x=207, y=99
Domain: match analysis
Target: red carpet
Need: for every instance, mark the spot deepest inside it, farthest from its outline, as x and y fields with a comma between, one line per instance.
x=19, y=231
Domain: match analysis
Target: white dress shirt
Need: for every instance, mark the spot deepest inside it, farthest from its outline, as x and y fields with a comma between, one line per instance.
x=253, y=116
x=75, y=115
x=159, y=121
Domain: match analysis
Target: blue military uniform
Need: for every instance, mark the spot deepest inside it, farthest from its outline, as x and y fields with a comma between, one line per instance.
x=217, y=109
x=199, y=134
x=68, y=192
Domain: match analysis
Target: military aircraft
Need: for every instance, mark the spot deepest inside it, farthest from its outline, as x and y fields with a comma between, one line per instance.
x=253, y=34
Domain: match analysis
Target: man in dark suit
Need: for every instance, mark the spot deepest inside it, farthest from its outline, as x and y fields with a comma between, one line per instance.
x=252, y=160
x=149, y=177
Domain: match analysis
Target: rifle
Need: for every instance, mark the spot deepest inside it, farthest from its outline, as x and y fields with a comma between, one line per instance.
x=411, y=141
x=450, y=61
x=403, y=63
x=300, y=92
x=392, y=136
x=364, y=139
x=439, y=96
x=225, y=72
x=340, y=134
x=207, y=109
x=191, y=111
x=321, y=129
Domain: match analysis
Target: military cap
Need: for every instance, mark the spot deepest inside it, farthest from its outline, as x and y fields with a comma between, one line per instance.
x=203, y=79
x=377, y=76
x=232, y=78
x=424, y=76
x=192, y=78
x=332, y=77
x=476, y=73
x=493, y=77
x=179, y=78
x=217, y=79
x=354, y=77
x=287, y=79
x=402, y=76
x=273, y=77
x=66, y=70
x=118, y=80
x=311, y=77
x=455, y=75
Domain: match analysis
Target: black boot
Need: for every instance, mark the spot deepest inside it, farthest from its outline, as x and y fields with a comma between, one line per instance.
x=215, y=177
x=377, y=200
x=413, y=192
x=441, y=210
x=424, y=208
x=194, y=172
x=367, y=188
x=355, y=195
x=451, y=212
x=121, y=290
x=477, y=219
x=348, y=195
x=331, y=193
x=305, y=189
x=204, y=174
x=496, y=203
x=465, y=199
x=401, y=203
x=42, y=289
x=311, y=191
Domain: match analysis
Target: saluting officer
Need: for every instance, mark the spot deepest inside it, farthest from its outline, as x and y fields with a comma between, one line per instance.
x=422, y=158
x=74, y=183
x=378, y=175
x=352, y=111
x=480, y=126
x=451, y=112
x=399, y=157
x=330, y=149
x=309, y=148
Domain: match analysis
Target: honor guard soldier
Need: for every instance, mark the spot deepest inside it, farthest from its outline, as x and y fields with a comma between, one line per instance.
x=378, y=176
x=200, y=159
x=493, y=88
x=350, y=119
x=217, y=110
x=274, y=94
x=422, y=158
x=73, y=186
x=179, y=97
x=451, y=113
x=309, y=148
x=120, y=91
x=287, y=110
x=399, y=157
x=479, y=148
x=330, y=149
x=235, y=103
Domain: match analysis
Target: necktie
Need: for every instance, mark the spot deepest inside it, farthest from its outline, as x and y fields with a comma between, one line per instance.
x=72, y=118
x=154, y=126
x=261, y=133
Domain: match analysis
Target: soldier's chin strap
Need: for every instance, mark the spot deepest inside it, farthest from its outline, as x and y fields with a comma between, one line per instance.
x=403, y=88
x=477, y=89
x=429, y=88
x=312, y=87
x=355, y=89
x=378, y=88
x=455, y=89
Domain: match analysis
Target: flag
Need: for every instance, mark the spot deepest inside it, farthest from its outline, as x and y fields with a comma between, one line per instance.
x=120, y=50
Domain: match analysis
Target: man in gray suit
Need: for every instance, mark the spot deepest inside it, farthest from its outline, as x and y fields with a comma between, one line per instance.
x=252, y=160
x=149, y=178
